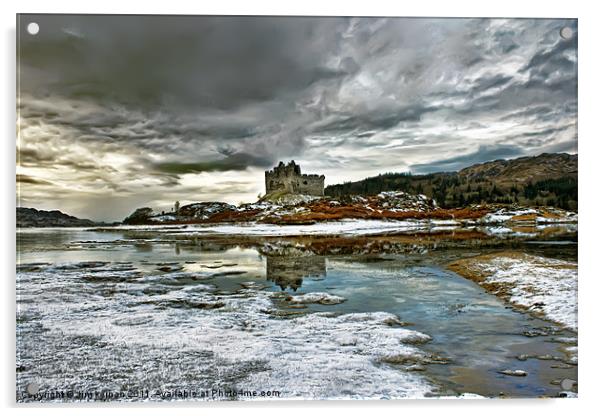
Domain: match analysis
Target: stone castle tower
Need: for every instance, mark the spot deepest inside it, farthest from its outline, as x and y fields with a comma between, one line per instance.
x=288, y=178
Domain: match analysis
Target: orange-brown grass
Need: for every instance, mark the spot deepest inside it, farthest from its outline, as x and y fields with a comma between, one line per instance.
x=548, y=214
x=325, y=211
x=525, y=217
x=333, y=213
x=233, y=216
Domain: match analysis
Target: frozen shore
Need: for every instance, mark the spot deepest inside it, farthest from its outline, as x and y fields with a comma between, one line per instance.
x=235, y=340
x=540, y=285
x=353, y=227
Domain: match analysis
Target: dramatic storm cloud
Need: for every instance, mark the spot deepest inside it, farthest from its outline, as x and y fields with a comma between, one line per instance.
x=117, y=112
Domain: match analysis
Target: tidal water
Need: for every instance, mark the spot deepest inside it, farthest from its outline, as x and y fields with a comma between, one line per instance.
x=118, y=315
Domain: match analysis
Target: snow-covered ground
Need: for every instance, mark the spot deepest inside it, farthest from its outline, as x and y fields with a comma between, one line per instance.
x=318, y=297
x=347, y=227
x=237, y=340
x=539, y=216
x=540, y=284
x=350, y=227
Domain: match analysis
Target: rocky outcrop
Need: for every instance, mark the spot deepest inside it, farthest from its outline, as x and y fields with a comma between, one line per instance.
x=204, y=210
x=196, y=212
x=140, y=216
x=390, y=206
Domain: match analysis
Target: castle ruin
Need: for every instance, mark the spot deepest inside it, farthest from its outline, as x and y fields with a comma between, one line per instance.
x=288, y=178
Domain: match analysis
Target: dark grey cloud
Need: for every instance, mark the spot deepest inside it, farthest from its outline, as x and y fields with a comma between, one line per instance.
x=483, y=154
x=238, y=161
x=145, y=109
x=569, y=146
x=31, y=180
x=377, y=120
x=206, y=62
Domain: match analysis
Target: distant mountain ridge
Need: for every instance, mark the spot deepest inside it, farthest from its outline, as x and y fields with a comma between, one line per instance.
x=31, y=217
x=549, y=179
x=544, y=166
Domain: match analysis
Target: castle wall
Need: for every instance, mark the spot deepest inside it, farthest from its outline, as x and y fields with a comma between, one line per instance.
x=310, y=185
x=288, y=178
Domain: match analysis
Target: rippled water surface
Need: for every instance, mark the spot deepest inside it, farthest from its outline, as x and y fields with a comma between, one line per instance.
x=124, y=313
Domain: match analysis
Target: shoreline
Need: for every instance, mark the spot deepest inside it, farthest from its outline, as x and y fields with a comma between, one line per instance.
x=517, y=279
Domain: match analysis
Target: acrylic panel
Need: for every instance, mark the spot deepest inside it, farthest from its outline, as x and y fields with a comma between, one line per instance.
x=275, y=208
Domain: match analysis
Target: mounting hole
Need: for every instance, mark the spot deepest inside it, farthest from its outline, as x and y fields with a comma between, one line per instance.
x=33, y=28
x=33, y=388
x=567, y=384
x=566, y=33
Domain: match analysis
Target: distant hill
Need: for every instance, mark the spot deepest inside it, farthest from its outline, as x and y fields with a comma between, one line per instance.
x=549, y=179
x=31, y=217
x=524, y=169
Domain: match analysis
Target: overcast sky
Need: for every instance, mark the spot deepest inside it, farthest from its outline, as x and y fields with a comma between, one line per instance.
x=118, y=112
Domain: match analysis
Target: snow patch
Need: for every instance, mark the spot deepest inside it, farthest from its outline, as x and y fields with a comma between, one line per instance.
x=318, y=297
x=348, y=227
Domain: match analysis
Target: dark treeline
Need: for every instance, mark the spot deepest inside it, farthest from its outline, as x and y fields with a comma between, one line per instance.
x=452, y=190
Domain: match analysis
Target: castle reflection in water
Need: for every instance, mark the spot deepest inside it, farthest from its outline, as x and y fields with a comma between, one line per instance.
x=289, y=272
